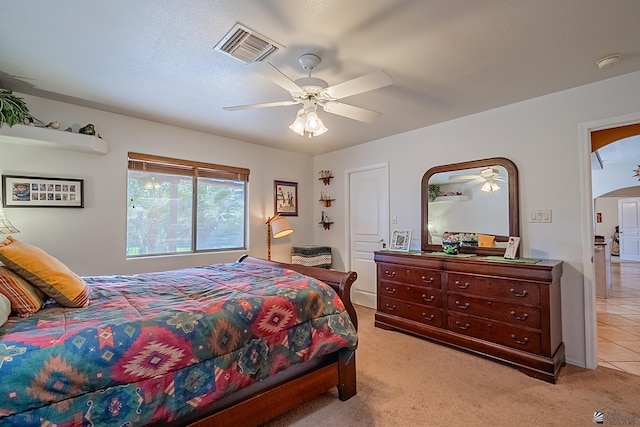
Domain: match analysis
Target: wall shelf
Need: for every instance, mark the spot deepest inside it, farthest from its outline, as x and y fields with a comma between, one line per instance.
x=51, y=138
x=325, y=176
x=327, y=202
x=326, y=225
x=461, y=198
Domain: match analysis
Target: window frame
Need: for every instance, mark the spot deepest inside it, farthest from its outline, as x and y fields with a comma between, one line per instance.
x=194, y=170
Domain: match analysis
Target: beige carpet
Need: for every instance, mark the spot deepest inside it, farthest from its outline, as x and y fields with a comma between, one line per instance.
x=407, y=381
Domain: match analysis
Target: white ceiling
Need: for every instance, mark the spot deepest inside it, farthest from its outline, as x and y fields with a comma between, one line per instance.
x=448, y=58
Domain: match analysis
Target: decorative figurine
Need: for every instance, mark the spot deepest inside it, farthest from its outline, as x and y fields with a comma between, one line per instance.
x=88, y=130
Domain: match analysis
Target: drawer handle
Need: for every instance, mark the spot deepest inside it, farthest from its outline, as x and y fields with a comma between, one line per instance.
x=426, y=298
x=392, y=274
x=523, y=317
x=465, y=286
x=522, y=295
x=523, y=342
x=464, y=307
x=391, y=307
x=429, y=280
x=429, y=317
x=461, y=326
x=390, y=290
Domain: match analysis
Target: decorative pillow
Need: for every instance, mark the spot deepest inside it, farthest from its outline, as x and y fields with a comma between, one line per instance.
x=25, y=299
x=45, y=272
x=5, y=309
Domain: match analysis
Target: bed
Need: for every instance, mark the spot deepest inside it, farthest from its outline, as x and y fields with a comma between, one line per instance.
x=223, y=344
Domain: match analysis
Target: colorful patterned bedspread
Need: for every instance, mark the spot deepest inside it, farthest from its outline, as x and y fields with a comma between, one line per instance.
x=158, y=346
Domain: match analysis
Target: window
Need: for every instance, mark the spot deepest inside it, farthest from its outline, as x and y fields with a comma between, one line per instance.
x=183, y=206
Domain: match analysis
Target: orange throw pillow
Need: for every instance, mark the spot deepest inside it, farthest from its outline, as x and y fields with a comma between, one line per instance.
x=45, y=272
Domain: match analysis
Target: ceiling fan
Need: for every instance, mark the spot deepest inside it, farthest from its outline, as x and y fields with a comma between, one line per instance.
x=312, y=92
x=487, y=177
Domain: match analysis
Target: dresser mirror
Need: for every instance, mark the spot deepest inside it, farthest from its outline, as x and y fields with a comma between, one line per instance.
x=468, y=199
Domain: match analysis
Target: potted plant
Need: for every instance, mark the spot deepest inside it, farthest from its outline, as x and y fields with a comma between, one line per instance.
x=12, y=108
x=434, y=191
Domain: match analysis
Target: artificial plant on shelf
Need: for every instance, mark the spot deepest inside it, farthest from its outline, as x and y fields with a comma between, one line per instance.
x=12, y=108
x=434, y=192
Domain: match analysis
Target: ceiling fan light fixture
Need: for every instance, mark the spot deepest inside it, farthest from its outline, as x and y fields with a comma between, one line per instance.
x=322, y=130
x=489, y=187
x=311, y=92
x=314, y=123
x=298, y=125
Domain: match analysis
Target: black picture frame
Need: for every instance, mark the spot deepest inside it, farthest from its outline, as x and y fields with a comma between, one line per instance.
x=285, y=198
x=42, y=192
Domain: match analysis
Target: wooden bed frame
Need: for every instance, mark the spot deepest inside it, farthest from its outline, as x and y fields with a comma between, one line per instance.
x=288, y=389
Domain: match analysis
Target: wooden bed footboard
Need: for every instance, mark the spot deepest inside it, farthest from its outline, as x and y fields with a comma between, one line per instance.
x=289, y=388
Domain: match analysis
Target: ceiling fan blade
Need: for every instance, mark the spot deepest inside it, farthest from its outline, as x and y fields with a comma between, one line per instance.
x=463, y=177
x=358, y=85
x=478, y=180
x=279, y=78
x=355, y=113
x=265, y=105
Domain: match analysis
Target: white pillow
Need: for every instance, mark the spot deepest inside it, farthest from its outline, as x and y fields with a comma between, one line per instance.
x=5, y=309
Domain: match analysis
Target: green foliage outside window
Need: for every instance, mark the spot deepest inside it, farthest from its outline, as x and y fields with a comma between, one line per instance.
x=161, y=216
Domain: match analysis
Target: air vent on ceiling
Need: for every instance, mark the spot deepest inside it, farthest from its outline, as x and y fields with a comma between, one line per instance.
x=246, y=45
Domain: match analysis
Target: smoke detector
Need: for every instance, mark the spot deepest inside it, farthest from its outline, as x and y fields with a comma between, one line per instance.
x=608, y=61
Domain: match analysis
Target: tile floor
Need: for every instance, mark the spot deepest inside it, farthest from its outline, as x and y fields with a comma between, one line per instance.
x=619, y=319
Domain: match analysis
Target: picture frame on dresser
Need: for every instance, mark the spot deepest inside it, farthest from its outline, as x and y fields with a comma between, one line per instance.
x=512, y=248
x=400, y=240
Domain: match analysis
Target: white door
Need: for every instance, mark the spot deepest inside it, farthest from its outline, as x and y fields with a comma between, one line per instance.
x=629, y=215
x=368, y=227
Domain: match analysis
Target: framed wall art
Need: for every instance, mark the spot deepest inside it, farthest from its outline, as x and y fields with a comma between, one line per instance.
x=42, y=192
x=400, y=240
x=285, y=198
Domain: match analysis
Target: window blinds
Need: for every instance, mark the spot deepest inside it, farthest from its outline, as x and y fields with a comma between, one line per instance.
x=151, y=163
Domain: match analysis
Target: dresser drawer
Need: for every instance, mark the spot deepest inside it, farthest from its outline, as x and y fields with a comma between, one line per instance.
x=419, y=313
x=520, y=315
x=512, y=291
x=410, y=275
x=497, y=332
x=413, y=294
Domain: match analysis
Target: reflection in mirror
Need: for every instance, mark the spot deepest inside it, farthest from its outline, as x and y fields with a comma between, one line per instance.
x=477, y=197
x=467, y=202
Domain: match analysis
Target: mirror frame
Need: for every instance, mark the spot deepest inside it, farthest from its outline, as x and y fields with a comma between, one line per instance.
x=514, y=203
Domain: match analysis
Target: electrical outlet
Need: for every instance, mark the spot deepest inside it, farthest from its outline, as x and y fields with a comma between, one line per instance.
x=394, y=219
x=540, y=215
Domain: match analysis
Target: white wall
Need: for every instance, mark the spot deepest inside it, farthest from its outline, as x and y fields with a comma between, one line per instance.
x=541, y=136
x=92, y=240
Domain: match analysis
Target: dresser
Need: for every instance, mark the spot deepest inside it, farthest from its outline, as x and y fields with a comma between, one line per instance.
x=504, y=310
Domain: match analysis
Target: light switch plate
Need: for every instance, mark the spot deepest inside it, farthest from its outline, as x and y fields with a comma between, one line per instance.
x=540, y=215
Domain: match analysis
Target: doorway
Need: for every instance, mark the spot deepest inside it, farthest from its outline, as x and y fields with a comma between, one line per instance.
x=368, y=227
x=629, y=214
x=585, y=144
